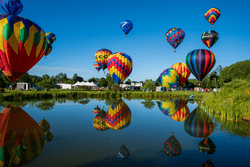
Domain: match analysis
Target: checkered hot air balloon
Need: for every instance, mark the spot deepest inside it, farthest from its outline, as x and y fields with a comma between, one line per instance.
x=101, y=57
x=199, y=124
x=182, y=112
x=183, y=72
x=21, y=138
x=22, y=44
x=175, y=36
x=118, y=115
x=120, y=66
x=172, y=147
x=168, y=107
x=212, y=15
x=169, y=78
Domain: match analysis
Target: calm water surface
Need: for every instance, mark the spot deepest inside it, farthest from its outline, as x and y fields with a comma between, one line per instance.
x=77, y=143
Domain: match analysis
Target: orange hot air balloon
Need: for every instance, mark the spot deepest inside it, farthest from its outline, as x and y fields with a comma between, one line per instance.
x=21, y=138
x=182, y=112
x=182, y=71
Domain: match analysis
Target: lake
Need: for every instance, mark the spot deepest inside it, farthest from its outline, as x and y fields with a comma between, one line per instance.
x=145, y=127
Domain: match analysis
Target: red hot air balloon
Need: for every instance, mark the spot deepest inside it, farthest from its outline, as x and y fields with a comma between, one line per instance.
x=183, y=72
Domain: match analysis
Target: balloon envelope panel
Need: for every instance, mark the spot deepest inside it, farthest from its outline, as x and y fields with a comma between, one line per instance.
x=209, y=38
x=182, y=112
x=22, y=45
x=175, y=36
x=168, y=107
x=169, y=78
x=51, y=38
x=212, y=15
x=183, y=72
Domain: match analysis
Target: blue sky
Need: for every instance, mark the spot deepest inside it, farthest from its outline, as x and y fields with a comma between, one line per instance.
x=84, y=26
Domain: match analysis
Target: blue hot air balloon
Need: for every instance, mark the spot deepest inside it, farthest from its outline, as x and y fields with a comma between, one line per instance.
x=126, y=26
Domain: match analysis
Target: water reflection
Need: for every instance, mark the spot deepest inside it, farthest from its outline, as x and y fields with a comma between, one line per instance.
x=148, y=103
x=96, y=110
x=45, y=126
x=118, y=115
x=182, y=112
x=172, y=147
x=168, y=107
x=207, y=146
x=21, y=139
x=199, y=124
x=99, y=121
x=123, y=152
x=208, y=163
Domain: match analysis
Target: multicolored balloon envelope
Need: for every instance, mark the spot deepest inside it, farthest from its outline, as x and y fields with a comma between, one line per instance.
x=99, y=121
x=48, y=137
x=209, y=38
x=182, y=112
x=96, y=111
x=120, y=66
x=51, y=38
x=44, y=125
x=169, y=78
x=22, y=44
x=208, y=163
x=13, y=7
x=199, y=124
x=123, y=152
x=48, y=50
x=212, y=15
x=183, y=72
x=207, y=146
x=200, y=62
x=97, y=67
x=101, y=57
x=21, y=138
x=172, y=147
x=168, y=107
x=175, y=36
x=118, y=116
x=126, y=26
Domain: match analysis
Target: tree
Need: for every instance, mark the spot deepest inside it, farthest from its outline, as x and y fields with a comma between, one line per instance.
x=149, y=84
x=109, y=80
x=25, y=78
x=77, y=78
x=47, y=84
x=128, y=81
x=102, y=82
x=45, y=76
x=93, y=79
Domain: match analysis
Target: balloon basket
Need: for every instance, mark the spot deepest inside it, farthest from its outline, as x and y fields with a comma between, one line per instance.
x=174, y=50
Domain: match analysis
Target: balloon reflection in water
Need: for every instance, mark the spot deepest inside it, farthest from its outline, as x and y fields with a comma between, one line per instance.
x=199, y=124
x=96, y=110
x=123, y=152
x=207, y=146
x=208, y=163
x=48, y=137
x=168, y=107
x=21, y=138
x=172, y=147
x=44, y=125
x=182, y=112
x=118, y=116
x=99, y=121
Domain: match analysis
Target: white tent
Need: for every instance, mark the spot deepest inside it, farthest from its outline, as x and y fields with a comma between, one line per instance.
x=84, y=84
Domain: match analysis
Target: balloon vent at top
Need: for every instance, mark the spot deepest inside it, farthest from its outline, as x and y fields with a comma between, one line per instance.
x=13, y=7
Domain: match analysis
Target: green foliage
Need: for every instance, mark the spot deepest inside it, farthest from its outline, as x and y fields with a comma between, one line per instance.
x=25, y=78
x=46, y=84
x=109, y=79
x=149, y=84
x=128, y=81
x=102, y=82
x=93, y=79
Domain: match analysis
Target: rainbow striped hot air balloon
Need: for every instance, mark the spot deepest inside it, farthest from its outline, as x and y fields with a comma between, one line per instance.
x=169, y=78
x=96, y=111
x=101, y=57
x=168, y=107
x=120, y=66
x=172, y=147
x=118, y=115
x=51, y=38
x=182, y=112
x=21, y=138
x=97, y=67
x=183, y=72
x=199, y=124
x=22, y=42
x=212, y=15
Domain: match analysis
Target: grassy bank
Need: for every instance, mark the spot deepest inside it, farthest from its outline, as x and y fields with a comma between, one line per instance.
x=16, y=95
x=232, y=103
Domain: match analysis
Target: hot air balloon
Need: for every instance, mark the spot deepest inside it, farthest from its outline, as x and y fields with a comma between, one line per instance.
x=50, y=37
x=118, y=115
x=200, y=62
x=97, y=67
x=44, y=125
x=99, y=121
x=123, y=152
x=207, y=146
x=96, y=110
x=175, y=36
x=183, y=72
x=182, y=112
x=120, y=66
x=199, y=124
x=21, y=139
x=209, y=38
x=48, y=50
x=48, y=137
x=22, y=43
x=212, y=15
x=208, y=163
x=172, y=147
x=101, y=57
x=126, y=26
x=169, y=78
x=168, y=107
